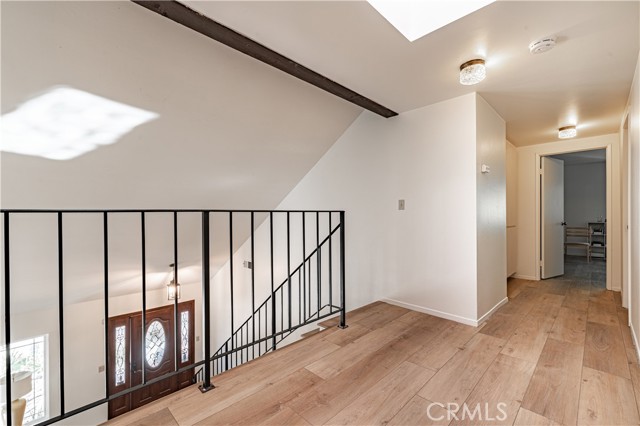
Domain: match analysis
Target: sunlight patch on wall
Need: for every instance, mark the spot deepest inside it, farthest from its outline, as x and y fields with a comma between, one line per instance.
x=65, y=123
x=417, y=18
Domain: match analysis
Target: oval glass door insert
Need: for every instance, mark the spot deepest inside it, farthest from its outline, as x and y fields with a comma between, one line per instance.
x=155, y=344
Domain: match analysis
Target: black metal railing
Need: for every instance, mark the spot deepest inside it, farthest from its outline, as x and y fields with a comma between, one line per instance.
x=198, y=376
x=306, y=294
x=280, y=302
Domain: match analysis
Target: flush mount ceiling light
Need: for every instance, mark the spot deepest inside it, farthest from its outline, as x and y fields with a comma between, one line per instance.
x=417, y=18
x=472, y=72
x=65, y=123
x=567, y=132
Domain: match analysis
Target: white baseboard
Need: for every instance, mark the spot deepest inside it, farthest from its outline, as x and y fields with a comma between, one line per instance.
x=525, y=277
x=492, y=310
x=635, y=340
x=446, y=315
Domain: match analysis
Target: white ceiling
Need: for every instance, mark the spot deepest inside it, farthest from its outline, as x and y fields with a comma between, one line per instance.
x=220, y=120
x=231, y=133
x=587, y=77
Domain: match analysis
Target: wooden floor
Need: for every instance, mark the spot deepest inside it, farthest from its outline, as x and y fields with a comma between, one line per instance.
x=559, y=352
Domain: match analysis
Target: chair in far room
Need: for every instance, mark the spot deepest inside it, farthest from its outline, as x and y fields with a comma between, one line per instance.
x=578, y=237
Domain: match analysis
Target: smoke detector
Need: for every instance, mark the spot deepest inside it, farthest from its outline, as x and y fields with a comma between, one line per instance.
x=542, y=45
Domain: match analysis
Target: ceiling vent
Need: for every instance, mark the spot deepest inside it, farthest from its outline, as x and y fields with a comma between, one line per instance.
x=543, y=45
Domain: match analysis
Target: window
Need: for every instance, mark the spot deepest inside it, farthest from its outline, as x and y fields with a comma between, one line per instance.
x=121, y=347
x=184, y=334
x=31, y=355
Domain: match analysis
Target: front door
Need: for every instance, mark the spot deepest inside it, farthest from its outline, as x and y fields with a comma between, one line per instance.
x=166, y=347
x=552, y=194
x=159, y=355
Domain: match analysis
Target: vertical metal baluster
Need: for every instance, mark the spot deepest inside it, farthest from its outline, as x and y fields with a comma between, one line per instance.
x=309, y=269
x=273, y=296
x=304, y=268
x=61, y=309
x=299, y=298
x=206, y=310
x=318, y=262
x=105, y=233
x=7, y=318
x=227, y=361
x=330, y=266
x=233, y=343
x=176, y=328
x=144, y=295
x=343, y=313
x=253, y=290
x=288, y=265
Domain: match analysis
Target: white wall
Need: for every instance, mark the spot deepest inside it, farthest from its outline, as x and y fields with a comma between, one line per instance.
x=512, y=208
x=634, y=204
x=528, y=202
x=585, y=193
x=491, y=210
x=425, y=257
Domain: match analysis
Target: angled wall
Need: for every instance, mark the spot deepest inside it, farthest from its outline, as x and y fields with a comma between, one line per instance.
x=445, y=254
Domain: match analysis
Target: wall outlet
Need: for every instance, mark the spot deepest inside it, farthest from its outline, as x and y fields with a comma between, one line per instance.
x=400, y=204
x=485, y=168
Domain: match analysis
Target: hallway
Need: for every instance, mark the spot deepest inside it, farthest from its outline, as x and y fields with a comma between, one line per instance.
x=558, y=353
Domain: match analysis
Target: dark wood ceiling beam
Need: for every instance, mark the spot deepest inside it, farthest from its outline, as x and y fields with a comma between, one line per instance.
x=183, y=15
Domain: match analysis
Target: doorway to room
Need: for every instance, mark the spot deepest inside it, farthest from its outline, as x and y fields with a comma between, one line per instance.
x=574, y=217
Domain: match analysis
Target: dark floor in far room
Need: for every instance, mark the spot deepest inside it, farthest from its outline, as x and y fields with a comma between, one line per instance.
x=576, y=268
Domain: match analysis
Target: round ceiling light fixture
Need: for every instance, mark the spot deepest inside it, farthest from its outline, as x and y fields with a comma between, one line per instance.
x=472, y=72
x=542, y=45
x=567, y=132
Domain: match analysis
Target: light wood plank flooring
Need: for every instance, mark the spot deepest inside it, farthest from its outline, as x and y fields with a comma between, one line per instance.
x=559, y=352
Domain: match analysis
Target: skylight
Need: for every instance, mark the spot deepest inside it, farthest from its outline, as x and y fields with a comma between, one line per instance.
x=65, y=123
x=417, y=18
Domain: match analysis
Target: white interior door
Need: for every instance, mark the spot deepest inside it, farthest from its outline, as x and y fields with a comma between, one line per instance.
x=552, y=217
